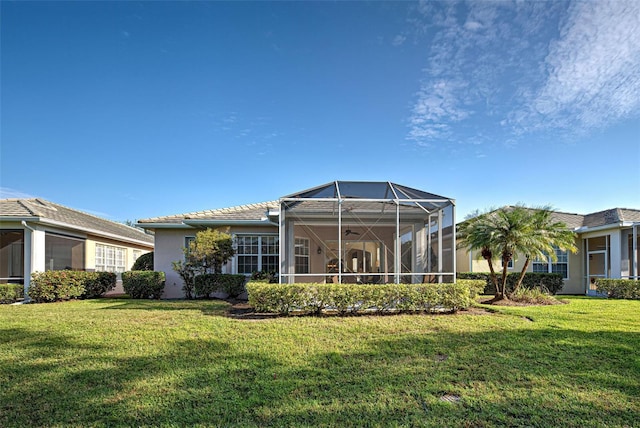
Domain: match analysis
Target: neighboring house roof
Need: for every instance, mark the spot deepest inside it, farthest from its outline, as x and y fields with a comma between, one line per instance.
x=41, y=211
x=249, y=212
x=601, y=218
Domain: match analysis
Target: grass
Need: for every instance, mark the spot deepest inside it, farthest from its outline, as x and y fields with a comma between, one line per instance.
x=118, y=362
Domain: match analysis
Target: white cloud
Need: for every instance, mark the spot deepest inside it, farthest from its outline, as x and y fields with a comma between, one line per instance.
x=398, y=40
x=524, y=67
x=594, y=67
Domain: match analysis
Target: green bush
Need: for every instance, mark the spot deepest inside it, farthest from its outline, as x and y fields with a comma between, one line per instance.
x=209, y=283
x=265, y=276
x=56, y=285
x=97, y=283
x=620, y=288
x=10, y=293
x=143, y=284
x=359, y=298
x=144, y=262
x=545, y=282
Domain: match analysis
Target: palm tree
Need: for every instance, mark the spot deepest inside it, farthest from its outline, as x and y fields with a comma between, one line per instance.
x=548, y=235
x=512, y=231
x=475, y=234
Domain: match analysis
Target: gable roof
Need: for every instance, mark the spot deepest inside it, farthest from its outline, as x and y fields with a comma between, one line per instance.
x=43, y=211
x=248, y=212
x=601, y=218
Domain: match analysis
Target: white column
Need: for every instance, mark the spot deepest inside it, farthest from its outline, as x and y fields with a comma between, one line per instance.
x=34, y=255
x=616, y=254
x=440, y=245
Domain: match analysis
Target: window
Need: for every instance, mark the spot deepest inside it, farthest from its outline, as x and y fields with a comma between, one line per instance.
x=110, y=259
x=547, y=266
x=257, y=253
x=187, y=244
x=302, y=255
x=509, y=265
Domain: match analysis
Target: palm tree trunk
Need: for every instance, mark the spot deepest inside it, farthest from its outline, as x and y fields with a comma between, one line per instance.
x=503, y=294
x=494, y=278
x=522, y=273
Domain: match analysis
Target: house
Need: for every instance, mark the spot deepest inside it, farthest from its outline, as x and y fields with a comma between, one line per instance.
x=37, y=235
x=607, y=243
x=343, y=231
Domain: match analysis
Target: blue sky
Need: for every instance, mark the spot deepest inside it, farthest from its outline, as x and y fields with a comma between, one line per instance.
x=135, y=110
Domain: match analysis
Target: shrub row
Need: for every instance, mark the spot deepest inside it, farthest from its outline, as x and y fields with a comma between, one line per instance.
x=358, y=298
x=620, y=288
x=10, y=293
x=209, y=283
x=56, y=285
x=551, y=282
x=140, y=284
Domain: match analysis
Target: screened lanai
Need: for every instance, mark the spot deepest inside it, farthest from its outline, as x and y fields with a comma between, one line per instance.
x=366, y=232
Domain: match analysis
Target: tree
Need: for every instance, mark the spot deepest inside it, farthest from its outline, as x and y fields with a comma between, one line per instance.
x=144, y=262
x=511, y=231
x=549, y=234
x=207, y=253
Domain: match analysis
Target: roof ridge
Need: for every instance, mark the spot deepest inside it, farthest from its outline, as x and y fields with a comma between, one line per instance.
x=215, y=210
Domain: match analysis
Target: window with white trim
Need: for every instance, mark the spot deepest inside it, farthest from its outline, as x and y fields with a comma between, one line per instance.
x=547, y=266
x=110, y=258
x=257, y=253
x=302, y=255
x=509, y=265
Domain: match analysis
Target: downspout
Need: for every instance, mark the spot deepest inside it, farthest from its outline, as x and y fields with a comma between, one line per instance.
x=27, y=279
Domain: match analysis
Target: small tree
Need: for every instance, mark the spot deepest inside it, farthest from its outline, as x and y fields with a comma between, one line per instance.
x=207, y=253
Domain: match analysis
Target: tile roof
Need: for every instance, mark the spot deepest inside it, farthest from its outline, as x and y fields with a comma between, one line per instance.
x=40, y=209
x=249, y=212
x=600, y=218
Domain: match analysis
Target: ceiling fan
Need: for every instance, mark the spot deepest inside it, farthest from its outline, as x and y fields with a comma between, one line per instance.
x=350, y=232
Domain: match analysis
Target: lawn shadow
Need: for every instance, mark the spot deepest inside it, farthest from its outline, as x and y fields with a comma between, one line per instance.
x=507, y=377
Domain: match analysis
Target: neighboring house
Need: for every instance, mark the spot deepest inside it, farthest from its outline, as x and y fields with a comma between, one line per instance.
x=38, y=235
x=607, y=244
x=343, y=231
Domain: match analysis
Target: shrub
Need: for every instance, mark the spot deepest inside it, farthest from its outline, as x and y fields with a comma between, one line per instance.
x=143, y=284
x=358, y=298
x=10, y=293
x=97, y=283
x=551, y=282
x=208, y=283
x=55, y=285
x=144, y=262
x=265, y=276
x=620, y=288
x=533, y=296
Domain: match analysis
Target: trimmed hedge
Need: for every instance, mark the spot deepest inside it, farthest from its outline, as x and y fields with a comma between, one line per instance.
x=141, y=284
x=144, y=262
x=56, y=285
x=359, y=298
x=209, y=283
x=551, y=282
x=98, y=283
x=620, y=288
x=10, y=293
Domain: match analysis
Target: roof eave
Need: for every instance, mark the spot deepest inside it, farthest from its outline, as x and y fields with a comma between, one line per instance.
x=222, y=222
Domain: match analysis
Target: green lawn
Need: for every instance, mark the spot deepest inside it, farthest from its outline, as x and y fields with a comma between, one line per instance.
x=122, y=362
